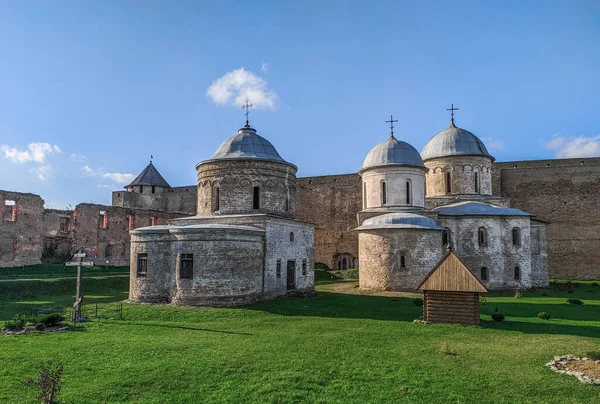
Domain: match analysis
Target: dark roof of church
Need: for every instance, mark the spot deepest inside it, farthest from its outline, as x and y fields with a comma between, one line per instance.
x=150, y=176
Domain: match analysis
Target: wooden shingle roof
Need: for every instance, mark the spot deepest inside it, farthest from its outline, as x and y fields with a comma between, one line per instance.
x=450, y=274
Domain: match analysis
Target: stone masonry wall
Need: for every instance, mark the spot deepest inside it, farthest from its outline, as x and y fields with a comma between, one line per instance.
x=331, y=203
x=172, y=200
x=565, y=193
x=21, y=223
x=462, y=169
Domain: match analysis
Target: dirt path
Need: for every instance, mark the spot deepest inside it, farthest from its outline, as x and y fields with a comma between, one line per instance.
x=60, y=279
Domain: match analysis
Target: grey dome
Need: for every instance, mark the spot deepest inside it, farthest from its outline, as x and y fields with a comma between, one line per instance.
x=454, y=141
x=400, y=220
x=471, y=208
x=247, y=145
x=393, y=152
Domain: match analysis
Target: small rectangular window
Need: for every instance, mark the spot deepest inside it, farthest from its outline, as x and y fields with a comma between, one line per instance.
x=142, y=265
x=402, y=262
x=278, y=269
x=131, y=222
x=303, y=267
x=65, y=224
x=153, y=189
x=186, y=266
x=103, y=220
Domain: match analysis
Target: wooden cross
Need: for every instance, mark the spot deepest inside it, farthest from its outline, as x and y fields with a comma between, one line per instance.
x=452, y=109
x=391, y=122
x=247, y=106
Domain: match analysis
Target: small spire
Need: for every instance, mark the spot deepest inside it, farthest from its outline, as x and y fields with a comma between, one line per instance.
x=247, y=106
x=391, y=122
x=452, y=109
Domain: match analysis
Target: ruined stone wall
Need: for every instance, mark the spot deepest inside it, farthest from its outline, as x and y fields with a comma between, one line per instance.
x=331, y=203
x=111, y=243
x=57, y=234
x=21, y=224
x=565, y=193
x=236, y=180
x=380, y=257
x=173, y=200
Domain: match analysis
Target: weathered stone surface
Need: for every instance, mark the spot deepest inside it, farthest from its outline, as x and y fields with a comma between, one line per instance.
x=180, y=200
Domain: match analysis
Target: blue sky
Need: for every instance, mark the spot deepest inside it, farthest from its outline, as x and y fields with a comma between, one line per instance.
x=90, y=89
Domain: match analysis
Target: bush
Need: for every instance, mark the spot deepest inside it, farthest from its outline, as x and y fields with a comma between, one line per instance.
x=593, y=355
x=17, y=323
x=594, y=283
x=50, y=320
x=40, y=327
x=49, y=383
x=498, y=317
x=544, y=293
x=418, y=301
x=518, y=294
x=543, y=315
x=447, y=350
x=574, y=301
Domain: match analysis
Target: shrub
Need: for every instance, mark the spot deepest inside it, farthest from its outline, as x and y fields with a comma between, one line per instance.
x=593, y=355
x=594, y=283
x=418, y=301
x=518, y=294
x=40, y=327
x=50, y=320
x=552, y=330
x=544, y=293
x=543, y=315
x=48, y=385
x=574, y=301
x=16, y=323
x=498, y=317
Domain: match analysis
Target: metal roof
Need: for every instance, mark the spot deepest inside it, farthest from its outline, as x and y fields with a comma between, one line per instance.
x=150, y=176
x=470, y=208
x=393, y=152
x=400, y=220
x=247, y=145
x=454, y=141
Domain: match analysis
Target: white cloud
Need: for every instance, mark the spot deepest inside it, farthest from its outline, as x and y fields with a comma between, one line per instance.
x=35, y=152
x=493, y=144
x=43, y=172
x=119, y=178
x=77, y=158
x=574, y=146
x=236, y=86
x=103, y=186
x=99, y=172
x=264, y=68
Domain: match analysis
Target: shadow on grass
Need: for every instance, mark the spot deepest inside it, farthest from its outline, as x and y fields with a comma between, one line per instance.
x=562, y=311
x=526, y=327
x=173, y=326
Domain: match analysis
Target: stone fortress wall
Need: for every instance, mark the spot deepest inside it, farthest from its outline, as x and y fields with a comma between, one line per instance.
x=564, y=192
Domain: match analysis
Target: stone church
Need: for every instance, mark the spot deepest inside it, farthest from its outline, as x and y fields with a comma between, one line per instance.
x=400, y=240
x=243, y=245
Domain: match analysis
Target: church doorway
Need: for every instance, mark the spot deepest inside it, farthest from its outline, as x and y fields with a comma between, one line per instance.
x=343, y=261
x=291, y=275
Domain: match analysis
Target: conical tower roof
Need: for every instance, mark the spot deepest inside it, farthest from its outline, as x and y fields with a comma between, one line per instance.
x=150, y=176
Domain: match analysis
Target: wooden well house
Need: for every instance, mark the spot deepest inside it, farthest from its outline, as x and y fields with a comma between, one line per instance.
x=451, y=293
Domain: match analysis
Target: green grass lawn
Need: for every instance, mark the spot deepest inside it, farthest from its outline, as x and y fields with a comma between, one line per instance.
x=58, y=271
x=336, y=347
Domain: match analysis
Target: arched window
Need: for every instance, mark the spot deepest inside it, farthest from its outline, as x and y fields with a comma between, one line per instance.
x=383, y=193
x=482, y=236
x=448, y=182
x=216, y=198
x=408, y=193
x=484, y=274
x=445, y=237
x=344, y=263
x=517, y=274
x=256, y=198
x=516, y=236
x=402, y=261
x=364, y=195
x=476, y=179
x=292, y=236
